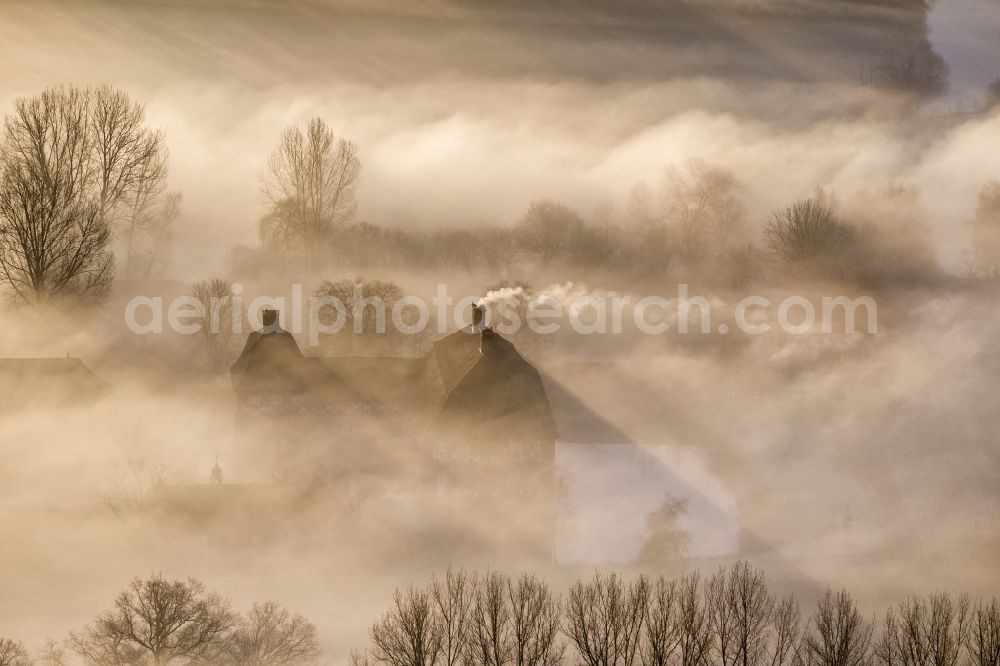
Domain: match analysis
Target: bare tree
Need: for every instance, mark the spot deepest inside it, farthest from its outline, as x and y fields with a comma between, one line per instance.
x=547, y=231
x=838, y=635
x=310, y=185
x=702, y=203
x=535, y=618
x=984, y=634
x=604, y=619
x=367, y=303
x=786, y=632
x=218, y=329
x=491, y=637
x=741, y=613
x=160, y=622
x=53, y=653
x=130, y=174
x=924, y=632
x=133, y=486
x=270, y=635
x=53, y=237
x=12, y=653
x=661, y=635
x=694, y=622
x=409, y=634
x=80, y=172
x=453, y=598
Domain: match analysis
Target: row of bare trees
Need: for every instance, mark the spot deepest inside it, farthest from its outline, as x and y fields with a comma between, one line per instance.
x=155, y=622
x=80, y=177
x=729, y=619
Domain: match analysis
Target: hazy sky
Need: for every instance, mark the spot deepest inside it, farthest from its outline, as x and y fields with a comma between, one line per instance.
x=966, y=34
x=464, y=113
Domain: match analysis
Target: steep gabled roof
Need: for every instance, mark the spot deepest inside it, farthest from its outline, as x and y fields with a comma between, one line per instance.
x=472, y=379
x=62, y=379
x=489, y=388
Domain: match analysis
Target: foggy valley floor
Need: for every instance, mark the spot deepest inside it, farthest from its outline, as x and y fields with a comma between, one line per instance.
x=297, y=494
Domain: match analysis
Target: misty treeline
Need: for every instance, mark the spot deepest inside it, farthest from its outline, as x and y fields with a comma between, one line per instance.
x=82, y=179
x=155, y=622
x=693, y=225
x=727, y=619
x=84, y=198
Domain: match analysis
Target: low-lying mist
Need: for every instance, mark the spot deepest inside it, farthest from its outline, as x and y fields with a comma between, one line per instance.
x=591, y=151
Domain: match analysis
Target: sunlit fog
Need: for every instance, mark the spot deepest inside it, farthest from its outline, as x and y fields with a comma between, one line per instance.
x=597, y=332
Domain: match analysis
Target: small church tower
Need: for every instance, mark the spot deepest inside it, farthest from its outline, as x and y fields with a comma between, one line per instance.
x=215, y=477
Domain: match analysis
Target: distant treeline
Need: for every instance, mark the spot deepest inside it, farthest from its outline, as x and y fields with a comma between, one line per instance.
x=728, y=619
x=692, y=226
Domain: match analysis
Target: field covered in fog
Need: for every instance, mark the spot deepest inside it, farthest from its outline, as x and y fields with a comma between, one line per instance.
x=728, y=167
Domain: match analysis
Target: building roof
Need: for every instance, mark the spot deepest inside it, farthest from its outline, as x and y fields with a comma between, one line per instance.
x=46, y=379
x=473, y=378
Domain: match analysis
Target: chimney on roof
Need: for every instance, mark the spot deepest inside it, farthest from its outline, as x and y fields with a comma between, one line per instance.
x=478, y=315
x=270, y=321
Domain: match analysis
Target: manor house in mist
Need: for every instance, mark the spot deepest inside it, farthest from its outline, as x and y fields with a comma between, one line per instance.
x=471, y=428
x=470, y=418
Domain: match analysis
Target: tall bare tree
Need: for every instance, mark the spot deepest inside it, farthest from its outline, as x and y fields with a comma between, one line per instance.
x=661, y=635
x=453, y=598
x=701, y=202
x=838, y=635
x=928, y=631
x=535, y=623
x=984, y=634
x=270, y=635
x=741, y=613
x=131, y=172
x=53, y=238
x=79, y=171
x=548, y=230
x=409, y=634
x=604, y=619
x=310, y=185
x=786, y=632
x=491, y=637
x=160, y=622
x=694, y=622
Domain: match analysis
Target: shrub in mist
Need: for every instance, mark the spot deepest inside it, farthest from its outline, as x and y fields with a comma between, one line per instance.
x=808, y=238
x=891, y=240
